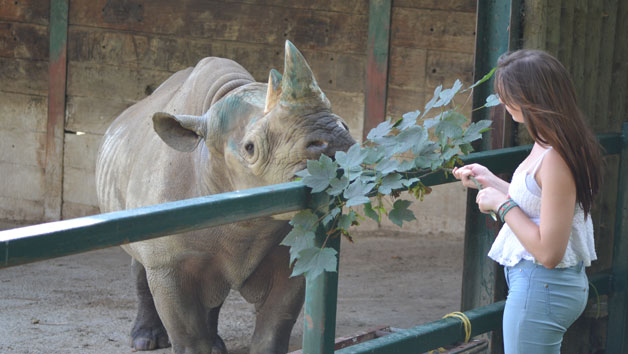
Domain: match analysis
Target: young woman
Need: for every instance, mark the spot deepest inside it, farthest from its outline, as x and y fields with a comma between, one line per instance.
x=547, y=237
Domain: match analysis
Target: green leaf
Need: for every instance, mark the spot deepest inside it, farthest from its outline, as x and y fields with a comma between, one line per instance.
x=330, y=217
x=368, y=211
x=483, y=79
x=387, y=166
x=346, y=220
x=409, y=182
x=298, y=239
x=475, y=130
x=320, y=172
x=408, y=138
x=390, y=182
x=302, y=173
x=382, y=129
x=406, y=165
x=431, y=102
x=338, y=185
x=430, y=123
x=492, y=100
x=455, y=117
x=352, y=158
x=401, y=213
x=357, y=191
x=409, y=120
x=305, y=218
x=466, y=148
x=447, y=95
x=448, y=129
x=449, y=152
x=427, y=160
x=314, y=261
x=374, y=154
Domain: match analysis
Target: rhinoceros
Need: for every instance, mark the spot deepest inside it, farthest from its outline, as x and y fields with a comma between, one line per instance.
x=207, y=130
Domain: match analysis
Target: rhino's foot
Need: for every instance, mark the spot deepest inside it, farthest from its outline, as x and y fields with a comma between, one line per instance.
x=219, y=346
x=149, y=338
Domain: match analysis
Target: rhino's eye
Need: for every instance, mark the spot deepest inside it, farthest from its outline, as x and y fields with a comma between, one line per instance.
x=250, y=148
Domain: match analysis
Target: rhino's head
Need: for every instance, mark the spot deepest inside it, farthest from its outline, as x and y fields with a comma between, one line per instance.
x=262, y=134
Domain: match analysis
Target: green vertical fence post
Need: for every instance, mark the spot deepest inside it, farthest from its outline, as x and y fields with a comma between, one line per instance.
x=53, y=173
x=492, y=40
x=617, y=334
x=377, y=63
x=321, y=295
x=493, y=18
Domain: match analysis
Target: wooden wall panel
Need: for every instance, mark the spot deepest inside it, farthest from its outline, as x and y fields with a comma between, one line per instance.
x=23, y=40
x=24, y=76
x=347, y=6
x=427, y=50
x=23, y=107
x=28, y=11
x=449, y=5
x=120, y=51
x=433, y=29
x=79, y=164
x=216, y=20
x=23, y=112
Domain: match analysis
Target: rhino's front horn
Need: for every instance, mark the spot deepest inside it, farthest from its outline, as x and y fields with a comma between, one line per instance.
x=298, y=86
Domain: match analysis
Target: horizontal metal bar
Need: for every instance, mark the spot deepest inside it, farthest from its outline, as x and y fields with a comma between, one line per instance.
x=432, y=335
x=62, y=238
x=447, y=331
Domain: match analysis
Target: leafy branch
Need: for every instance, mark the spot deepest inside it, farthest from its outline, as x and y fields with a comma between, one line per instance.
x=395, y=157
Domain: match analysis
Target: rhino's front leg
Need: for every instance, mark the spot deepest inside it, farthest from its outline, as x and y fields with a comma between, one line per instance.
x=180, y=299
x=278, y=301
x=148, y=332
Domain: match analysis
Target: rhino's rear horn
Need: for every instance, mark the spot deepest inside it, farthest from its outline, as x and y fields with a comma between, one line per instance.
x=274, y=90
x=298, y=85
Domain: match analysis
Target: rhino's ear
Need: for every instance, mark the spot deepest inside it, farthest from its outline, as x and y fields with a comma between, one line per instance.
x=180, y=132
x=298, y=86
x=274, y=90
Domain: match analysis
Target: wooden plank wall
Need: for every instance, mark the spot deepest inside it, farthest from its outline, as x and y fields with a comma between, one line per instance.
x=120, y=51
x=23, y=108
x=432, y=43
x=589, y=38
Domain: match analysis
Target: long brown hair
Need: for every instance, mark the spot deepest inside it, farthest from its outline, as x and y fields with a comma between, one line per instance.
x=541, y=87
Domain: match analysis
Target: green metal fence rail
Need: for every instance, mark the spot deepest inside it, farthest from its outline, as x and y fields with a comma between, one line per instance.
x=62, y=238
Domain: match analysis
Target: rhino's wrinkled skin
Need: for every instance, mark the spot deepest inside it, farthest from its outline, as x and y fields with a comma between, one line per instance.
x=206, y=130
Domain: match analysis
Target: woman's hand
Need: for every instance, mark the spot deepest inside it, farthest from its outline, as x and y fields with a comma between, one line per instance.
x=490, y=199
x=479, y=172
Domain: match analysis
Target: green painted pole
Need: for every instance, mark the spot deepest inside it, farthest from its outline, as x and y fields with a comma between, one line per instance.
x=493, y=19
x=321, y=294
x=617, y=335
x=57, y=70
x=377, y=54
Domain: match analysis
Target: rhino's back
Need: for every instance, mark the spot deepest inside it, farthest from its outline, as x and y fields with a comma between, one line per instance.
x=134, y=167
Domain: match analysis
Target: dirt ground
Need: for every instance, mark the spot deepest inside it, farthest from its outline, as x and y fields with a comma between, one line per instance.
x=86, y=303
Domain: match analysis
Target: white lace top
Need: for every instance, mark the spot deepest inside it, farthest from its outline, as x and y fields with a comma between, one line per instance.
x=508, y=251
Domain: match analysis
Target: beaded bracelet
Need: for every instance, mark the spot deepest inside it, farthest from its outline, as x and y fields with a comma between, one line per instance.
x=505, y=207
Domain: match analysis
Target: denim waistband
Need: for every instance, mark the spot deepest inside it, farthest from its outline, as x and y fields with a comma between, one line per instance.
x=526, y=264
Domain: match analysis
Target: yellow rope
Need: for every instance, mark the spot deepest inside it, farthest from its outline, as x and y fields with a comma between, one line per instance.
x=465, y=321
x=467, y=328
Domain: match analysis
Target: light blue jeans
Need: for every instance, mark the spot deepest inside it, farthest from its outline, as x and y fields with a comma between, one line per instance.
x=542, y=303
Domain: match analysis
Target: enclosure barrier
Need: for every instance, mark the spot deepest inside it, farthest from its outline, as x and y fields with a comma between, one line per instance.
x=62, y=238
